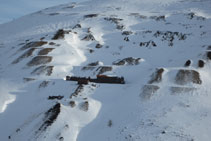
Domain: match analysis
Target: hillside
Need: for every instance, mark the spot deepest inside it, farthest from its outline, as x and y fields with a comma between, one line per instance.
x=162, y=49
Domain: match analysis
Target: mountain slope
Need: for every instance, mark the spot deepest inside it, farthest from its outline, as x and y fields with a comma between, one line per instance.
x=161, y=48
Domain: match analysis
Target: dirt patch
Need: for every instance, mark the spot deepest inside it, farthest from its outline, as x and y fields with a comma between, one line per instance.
x=127, y=61
x=33, y=44
x=45, y=51
x=148, y=91
x=157, y=76
x=60, y=34
x=90, y=15
x=47, y=70
x=85, y=106
x=72, y=104
x=176, y=90
x=24, y=55
x=50, y=116
x=44, y=84
x=38, y=60
x=187, y=76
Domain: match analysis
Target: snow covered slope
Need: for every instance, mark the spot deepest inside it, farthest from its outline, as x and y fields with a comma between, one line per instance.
x=161, y=48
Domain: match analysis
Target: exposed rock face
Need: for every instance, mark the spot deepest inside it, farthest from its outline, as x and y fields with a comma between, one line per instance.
x=157, y=76
x=45, y=51
x=127, y=61
x=187, y=76
x=38, y=60
x=47, y=70
x=33, y=44
x=60, y=34
x=24, y=55
x=50, y=116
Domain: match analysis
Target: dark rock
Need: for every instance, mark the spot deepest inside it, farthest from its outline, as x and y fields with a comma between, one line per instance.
x=90, y=15
x=98, y=46
x=126, y=39
x=44, y=84
x=59, y=97
x=77, y=26
x=52, y=43
x=187, y=63
x=209, y=55
x=201, y=63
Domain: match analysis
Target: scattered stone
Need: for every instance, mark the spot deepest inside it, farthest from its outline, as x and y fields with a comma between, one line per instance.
x=201, y=63
x=127, y=61
x=157, y=76
x=38, y=60
x=187, y=76
x=187, y=63
x=45, y=51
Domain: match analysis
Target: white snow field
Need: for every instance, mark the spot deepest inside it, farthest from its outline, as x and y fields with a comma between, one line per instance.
x=162, y=48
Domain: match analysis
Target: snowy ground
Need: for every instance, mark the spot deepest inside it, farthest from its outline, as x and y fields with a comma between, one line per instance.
x=146, y=42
